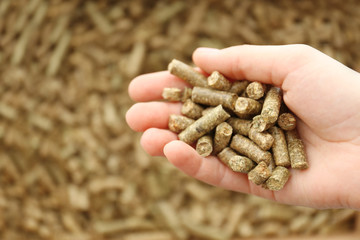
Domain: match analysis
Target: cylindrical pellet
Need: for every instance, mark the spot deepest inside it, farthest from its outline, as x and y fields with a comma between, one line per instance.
x=272, y=165
x=178, y=123
x=204, y=146
x=247, y=107
x=206, y=110
x=239, y=87
x=263, y=139
x=255, y=90
x=272, y=103
x=259, y=174
x=278, y=178
x=287, y=121
x=250, y=149
x=217, y=81
x=213, y=97
x=279, y=147
x=204, y=125
x=172, y=94
x=236, y=162
x=261, y=123
x=246, y=229
x=300, y=223
x=222, y=136
x=280, y=213
x=187, y=73
x=176, y=94
x=186, y=94
x=240, y=126
x=296, y=150
x=241, y=164
x=226, y=154
x=191, y=109
x=273, y=229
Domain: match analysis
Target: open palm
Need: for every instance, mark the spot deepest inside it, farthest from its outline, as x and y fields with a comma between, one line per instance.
x=323, y=93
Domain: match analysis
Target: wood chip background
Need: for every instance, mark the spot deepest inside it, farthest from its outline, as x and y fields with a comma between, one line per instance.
x=70, y=168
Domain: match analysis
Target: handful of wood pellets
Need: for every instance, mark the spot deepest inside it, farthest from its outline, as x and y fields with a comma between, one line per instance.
x=245, y=124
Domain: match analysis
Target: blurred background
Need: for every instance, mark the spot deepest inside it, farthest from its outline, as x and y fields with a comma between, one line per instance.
x=70, y=168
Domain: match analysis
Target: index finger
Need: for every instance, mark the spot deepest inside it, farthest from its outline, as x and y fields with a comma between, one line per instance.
x=149, y=87
x=266, y=64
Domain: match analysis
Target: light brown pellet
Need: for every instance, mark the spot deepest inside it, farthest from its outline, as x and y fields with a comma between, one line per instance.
x=186, y=94
x=300, y=223
x=191, y=109
x=236, y=162
x=263, y=139
x=278, y=178
x=259, y=174
x=287, y=121
x=241, y=164
x=272, y=165
x=239, y=87
x=270, y=110
x=261, y=123
x=246, y=229
x=172, y=94
x=168, y=214
x=279, y=147
x=222, y=136
x=246, y=107
x=296, y=150
x=240, y=126
x=272, y=103
x=273, y=229
x=250, y=149
x=204, y=125
x=204, y=146
x=178, y=123
x=187, y=73
x=276, y=212
x=176, y=94
x=206, y=110
x=226, y=154
x=217, y=81
x=213, y=97
x=255, y=90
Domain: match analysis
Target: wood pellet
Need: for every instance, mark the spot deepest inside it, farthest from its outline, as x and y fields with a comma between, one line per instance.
x=65, y=68
x=238, y=121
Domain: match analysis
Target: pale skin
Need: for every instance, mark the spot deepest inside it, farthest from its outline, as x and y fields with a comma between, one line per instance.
x=323, y=93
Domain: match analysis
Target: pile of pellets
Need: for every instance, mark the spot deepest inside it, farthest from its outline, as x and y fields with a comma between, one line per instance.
x=71, y=169
x=240, y=123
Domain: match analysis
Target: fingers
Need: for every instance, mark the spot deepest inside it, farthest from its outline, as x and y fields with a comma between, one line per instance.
x=142, y=116
x=149, y=87
x=153, y=140
x=160, y=142
x=267, y=64
x=209, y=170
x=311, y=81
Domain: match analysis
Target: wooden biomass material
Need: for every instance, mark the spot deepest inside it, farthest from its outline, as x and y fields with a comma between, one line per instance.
x=71, y=169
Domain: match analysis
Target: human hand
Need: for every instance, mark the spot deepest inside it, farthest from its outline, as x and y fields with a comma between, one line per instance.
x=323, y=93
